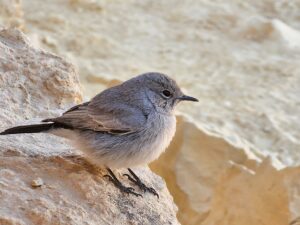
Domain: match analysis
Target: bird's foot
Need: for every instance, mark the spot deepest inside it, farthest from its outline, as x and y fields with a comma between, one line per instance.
x=137, y=181
x=120, y=186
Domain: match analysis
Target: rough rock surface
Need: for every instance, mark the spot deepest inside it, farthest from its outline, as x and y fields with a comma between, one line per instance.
x=42, y=180
x=237, y=150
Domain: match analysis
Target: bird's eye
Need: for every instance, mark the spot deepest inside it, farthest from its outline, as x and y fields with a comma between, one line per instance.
x=166, y=93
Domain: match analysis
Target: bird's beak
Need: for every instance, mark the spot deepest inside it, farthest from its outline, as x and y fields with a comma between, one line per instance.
x=187, y=98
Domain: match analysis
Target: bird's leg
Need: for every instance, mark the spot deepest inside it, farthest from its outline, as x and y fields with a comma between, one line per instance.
x=137, y=181
x=119, y=185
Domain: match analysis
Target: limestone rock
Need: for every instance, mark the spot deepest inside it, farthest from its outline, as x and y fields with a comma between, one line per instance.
x=240, y=58
x=11, y=13
x=37, y=84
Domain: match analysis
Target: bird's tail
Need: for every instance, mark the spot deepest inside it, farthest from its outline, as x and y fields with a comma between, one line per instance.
x=35, y=128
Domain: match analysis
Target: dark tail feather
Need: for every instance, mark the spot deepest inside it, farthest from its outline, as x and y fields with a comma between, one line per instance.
x=35, y=128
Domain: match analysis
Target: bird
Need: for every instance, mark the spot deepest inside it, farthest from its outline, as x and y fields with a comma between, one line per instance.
x=124, y=126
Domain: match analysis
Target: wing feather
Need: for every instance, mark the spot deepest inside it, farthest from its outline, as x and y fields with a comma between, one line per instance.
x=113, y=117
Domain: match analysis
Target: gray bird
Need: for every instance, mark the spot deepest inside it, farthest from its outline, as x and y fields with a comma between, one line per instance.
x=126, y=125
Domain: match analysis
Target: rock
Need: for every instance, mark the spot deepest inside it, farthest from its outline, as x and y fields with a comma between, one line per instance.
x=216, y=182
x=11, y=14
x=289, y=35
x=37, y=84
x=38, y=182
x=240, y=58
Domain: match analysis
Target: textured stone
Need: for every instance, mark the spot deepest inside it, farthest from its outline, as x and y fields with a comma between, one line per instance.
x=240, y=58
x=37, y=84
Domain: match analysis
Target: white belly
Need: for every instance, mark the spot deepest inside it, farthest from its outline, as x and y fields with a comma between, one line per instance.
x=156, y=143
x=152, y=141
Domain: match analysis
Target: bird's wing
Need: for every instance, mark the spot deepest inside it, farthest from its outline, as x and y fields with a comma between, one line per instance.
x=76, y=107
x=117, y=117
x=110, y=117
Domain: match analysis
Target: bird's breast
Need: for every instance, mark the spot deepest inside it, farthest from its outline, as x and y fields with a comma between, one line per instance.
x=160, y=131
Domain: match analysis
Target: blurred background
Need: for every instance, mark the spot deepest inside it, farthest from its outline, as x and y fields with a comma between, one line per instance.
x=236, y=153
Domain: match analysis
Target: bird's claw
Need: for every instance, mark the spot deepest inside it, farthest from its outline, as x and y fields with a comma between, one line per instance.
x=141, y=185
x=121, y=187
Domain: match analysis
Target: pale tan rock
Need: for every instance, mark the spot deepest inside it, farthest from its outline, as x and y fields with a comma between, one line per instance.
x=11, y=13
x=217, y=183
x=240, y=58
x=38, y=182
x=37, y=84
x=244, y=198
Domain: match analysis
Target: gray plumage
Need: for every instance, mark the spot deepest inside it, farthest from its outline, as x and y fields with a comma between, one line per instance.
x=123, y=126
